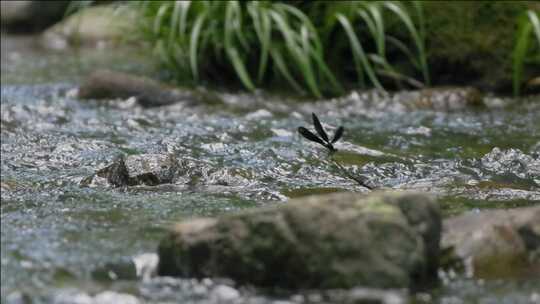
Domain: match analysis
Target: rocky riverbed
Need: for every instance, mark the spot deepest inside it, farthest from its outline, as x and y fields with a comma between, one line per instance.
x=230, y=157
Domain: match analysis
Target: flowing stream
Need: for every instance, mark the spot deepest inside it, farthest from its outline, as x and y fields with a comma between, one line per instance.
x=241, y=152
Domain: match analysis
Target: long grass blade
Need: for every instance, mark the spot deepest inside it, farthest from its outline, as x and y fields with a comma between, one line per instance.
x=307, y=50
x=419, y=8
x=388, y=71
x=312, y=46
x=317, y=47
x=296, y=51
x=194, y=43
x=379, y=35
x=535, y=21
x=372, y=16
x=304, y=20
x=327, y=73
x=240, y=68
x=262, y=26
x=282, y=67
x=158, y=21
x=359, y=55
x=401, y=12
x=173, y=27
x=183, y=22
x=404, y=49
x=520, y=52
x=370, y=24
x=232, y=27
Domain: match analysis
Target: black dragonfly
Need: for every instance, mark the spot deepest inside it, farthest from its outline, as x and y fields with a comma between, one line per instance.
x=325, y=141
x=322, y=139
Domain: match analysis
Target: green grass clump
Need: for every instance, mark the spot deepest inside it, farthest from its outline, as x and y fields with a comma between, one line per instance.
x=256, y=40
x=373, y=15
x=321, y=48
x=266, y=42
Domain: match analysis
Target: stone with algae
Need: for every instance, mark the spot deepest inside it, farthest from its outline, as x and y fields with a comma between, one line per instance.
x=382, y=240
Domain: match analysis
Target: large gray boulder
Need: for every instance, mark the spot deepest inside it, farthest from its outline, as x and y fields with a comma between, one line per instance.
x=384, y=240
x=495, y=243
x=445, y=99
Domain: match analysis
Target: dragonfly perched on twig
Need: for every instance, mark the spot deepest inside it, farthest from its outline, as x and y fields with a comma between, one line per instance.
x=325, y=141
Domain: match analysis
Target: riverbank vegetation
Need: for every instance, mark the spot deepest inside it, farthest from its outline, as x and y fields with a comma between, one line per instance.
x=324, y=48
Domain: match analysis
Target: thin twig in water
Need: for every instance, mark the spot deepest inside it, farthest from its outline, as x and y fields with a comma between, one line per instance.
x=350, y=175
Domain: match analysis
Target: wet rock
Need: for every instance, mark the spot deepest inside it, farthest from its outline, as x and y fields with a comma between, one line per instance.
x=224, y=293
x=131, y=170
x=445, y=99
x=115, y=174
x=425, y=219
x=72, y=297
x=512, y=165
x=105, y=297
x=151, y=169
x=120, y=270
x=143, y=266
x=367, y=296
x=535, y=150
x=105, y=84
x=111, y=297
x=341, y=240
x=18, y=297
x=146, y=265
x=496, y=243
x=30, y=16
x=98, y=26
x=533, y=85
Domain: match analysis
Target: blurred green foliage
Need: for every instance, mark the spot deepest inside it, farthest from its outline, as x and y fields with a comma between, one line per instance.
x=319, y=48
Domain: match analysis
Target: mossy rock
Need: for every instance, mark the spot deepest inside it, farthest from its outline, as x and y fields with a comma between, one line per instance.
x=495, y=244
x=342, y=240
x=97, y=26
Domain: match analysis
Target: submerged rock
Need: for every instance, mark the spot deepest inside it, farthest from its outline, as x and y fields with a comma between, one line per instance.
x=533, y=85
x=119, y=270
x=496, y=243
x=105, y=297
x=105, y=84
x=513, y=166
x=445, y=99
x=511, y=160
x=142, y=169
x=142, y=266
x=383, y=240
x=361, y=295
